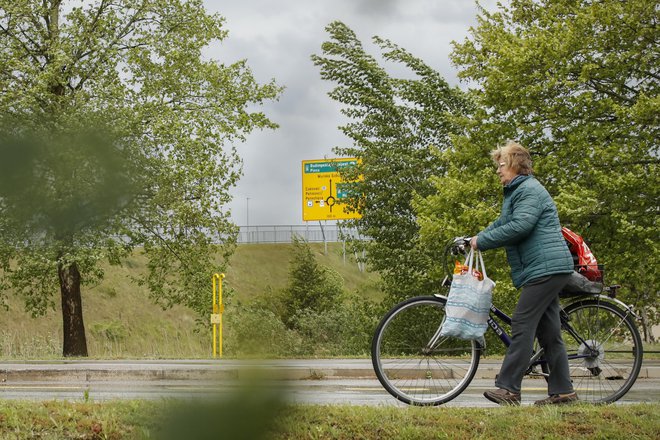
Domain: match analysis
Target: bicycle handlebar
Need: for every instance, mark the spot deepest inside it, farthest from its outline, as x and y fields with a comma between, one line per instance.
x=457, y=246
x=460, y=245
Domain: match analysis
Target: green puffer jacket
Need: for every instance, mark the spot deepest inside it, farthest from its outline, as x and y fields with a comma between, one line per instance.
x=529, y=229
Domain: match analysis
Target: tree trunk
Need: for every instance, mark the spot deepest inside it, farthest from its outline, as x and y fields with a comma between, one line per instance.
x=75, y=342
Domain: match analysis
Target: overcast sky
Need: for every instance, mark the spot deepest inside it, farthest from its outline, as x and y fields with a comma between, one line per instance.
x=277, y=38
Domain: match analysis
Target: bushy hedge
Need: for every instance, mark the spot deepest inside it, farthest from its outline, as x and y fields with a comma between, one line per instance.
x=312, y=316
x=345, y=330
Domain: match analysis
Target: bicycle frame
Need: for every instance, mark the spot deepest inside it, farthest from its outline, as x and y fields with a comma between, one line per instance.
x=499, y=331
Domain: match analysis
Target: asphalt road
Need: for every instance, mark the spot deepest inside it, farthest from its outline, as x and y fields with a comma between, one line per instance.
x=324, y=391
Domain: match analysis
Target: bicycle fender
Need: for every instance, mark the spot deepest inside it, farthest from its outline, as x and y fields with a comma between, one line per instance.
x=626, y=307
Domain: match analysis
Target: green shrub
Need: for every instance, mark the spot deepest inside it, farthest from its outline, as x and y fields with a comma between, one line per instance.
x=311, y=316
x=255, y=331
x=312, y=286
x=343, y=331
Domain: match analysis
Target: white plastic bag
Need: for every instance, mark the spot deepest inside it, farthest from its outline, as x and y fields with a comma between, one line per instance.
x=469, y=302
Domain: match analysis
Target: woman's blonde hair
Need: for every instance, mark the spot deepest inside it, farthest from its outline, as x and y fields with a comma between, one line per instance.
x=515, y=156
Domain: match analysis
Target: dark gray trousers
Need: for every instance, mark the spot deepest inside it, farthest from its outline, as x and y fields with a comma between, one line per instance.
x=537, y=312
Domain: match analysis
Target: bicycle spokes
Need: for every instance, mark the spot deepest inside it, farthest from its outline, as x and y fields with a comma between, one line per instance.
x=413, y=362
x=604, y=350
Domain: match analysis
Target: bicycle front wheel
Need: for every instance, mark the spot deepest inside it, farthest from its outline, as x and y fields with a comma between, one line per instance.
x=413, y=363
x=604, y=350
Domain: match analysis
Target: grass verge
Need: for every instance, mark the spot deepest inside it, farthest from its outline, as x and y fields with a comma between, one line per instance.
x=266, y=419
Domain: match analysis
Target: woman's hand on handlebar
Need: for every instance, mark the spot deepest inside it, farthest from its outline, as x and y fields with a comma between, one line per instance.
x=473, y=243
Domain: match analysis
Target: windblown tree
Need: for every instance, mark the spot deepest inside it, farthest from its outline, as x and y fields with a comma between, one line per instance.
x=395, y=124
x=577, y=82
x=116, y=133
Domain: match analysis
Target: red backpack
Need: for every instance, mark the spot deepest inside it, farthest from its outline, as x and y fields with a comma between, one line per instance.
x=585, y=261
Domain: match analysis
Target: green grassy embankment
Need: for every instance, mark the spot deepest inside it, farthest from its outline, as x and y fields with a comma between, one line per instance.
x=122, y=322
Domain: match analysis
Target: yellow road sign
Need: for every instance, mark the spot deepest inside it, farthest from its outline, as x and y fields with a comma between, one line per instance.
x=324, y=191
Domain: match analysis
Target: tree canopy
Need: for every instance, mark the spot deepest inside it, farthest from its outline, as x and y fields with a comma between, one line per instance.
x=394, y=124
x=574, y=81
x=126, y=135
x=577, y=83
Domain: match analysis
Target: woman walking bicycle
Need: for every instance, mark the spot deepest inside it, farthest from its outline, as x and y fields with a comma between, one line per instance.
x=528, y=228
x=598, y=349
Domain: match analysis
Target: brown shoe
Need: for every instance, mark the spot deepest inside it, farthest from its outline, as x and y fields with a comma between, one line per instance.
x=556, y=399
x=502, y=397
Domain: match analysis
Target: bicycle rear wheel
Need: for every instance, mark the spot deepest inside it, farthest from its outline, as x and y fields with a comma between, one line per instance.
x=413, y=363
x=604, y=350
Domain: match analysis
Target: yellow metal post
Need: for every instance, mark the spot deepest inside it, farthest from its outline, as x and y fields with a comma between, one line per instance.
x=216, y=316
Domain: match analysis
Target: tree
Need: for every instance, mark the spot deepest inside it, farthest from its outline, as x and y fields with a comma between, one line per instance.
x=576, y=82
x=117, y=94
x=394, y=124
x=312, y=287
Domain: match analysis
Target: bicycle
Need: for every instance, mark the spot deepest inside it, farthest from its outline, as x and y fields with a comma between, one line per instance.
x=418, y=367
